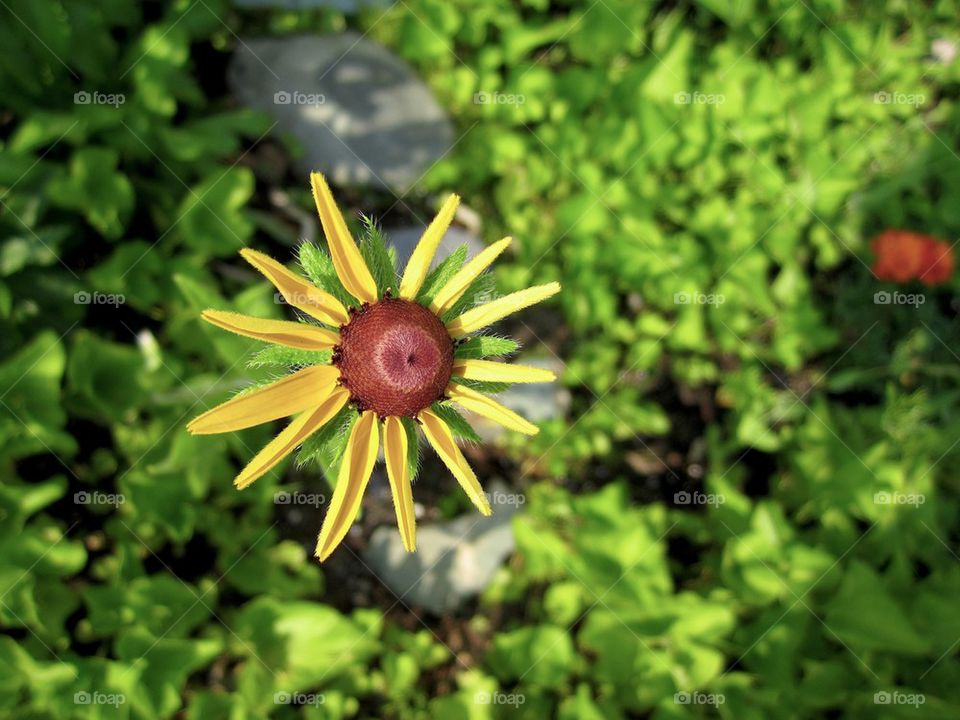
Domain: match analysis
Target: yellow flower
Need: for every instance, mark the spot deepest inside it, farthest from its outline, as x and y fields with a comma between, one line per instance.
x=390, y=358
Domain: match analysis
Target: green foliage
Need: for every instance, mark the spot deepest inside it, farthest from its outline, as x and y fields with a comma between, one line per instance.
x=480, y=291
x=481, y=346
x=439, y=276
x=281, y=356
x=318, y=266
x=94, y=187
x=458, y=424
x=702, y=177
x=326, y=447
x=380, y=261
x=413, y=447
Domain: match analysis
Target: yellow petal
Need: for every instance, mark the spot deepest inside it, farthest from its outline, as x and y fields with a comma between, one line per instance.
x=489, y=408
x=395, y=453
x=351, y=269
x=302, y=427
x=458, y=284
x=278, y=332
x=490, y=371
x=297, y=291
x=484, y=315
x=440, y=437
x=299, y=391
x=422, y=256
x=355, y=471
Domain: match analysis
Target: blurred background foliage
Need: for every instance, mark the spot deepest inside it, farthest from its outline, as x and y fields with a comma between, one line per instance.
x=663, y=151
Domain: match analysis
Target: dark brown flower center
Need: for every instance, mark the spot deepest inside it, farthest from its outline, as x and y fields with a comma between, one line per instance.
x=395, y=357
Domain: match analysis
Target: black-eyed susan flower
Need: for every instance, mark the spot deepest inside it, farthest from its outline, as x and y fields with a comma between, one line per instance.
x=374, y=357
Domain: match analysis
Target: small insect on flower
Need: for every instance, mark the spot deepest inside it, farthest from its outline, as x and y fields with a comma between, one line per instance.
x=376, y=357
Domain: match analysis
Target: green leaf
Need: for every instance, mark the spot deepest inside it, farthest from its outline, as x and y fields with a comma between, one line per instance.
x=281, y=356
x=439, y=276
x=31, y=415
x=457, y=422
x=413, y=447
x=373, y=248
x=484, y=386
x=168, y=662
x=542, y=655
x=318, y=266
x=480, y=291
x=161, y=498
x=94, y=187
x=212, y=218
x=865, y=615
x=159, y=603
x=481, y=346
x=325, y=448
x=109, y=377
x=282, y=570
x=313, y=643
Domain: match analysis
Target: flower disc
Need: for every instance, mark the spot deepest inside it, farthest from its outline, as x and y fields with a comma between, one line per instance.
x=395, y=357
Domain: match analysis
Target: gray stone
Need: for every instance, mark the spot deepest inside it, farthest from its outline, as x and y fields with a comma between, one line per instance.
x=360, y=115
x=455, y=560
x=405, y=239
